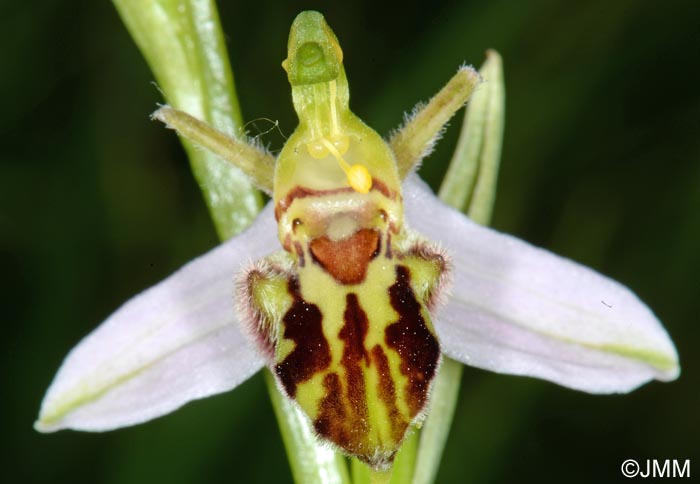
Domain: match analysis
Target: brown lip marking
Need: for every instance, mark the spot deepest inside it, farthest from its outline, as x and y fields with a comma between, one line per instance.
x=387, y=394
x=346, y=260
x=303, y=192
x=353, y=335
x=353, y=332
x=332, y=414
x=388, y=245
x=302, y=324
x=411, y=339
x=347, y=426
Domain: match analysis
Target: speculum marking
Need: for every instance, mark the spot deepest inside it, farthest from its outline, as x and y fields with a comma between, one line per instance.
x=332, y=415
x=343, y=415
x=413, y=341
x=353, y=335
x=387, y=393
x=302, y=324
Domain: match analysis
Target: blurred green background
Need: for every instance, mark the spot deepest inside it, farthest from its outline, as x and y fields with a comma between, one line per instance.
x=601, y=163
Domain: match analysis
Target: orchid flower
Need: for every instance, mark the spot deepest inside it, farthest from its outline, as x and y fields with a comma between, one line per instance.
x=511, y=308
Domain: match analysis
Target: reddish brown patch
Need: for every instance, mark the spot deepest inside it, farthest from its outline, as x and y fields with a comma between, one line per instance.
x=413, y=341
x=387, y=394
x=302, y=324
x=346, y=260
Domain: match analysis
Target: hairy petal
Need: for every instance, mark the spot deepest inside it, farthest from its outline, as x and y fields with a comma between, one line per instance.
x=518, y=309
x=175, y=342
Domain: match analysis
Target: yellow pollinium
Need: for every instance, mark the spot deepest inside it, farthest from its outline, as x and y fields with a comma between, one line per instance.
x=358, y=176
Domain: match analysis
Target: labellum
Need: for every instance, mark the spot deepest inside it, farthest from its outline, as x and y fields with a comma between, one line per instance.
x=344, y=312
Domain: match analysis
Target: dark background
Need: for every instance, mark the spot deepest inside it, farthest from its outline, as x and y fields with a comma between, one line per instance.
x=601, y=163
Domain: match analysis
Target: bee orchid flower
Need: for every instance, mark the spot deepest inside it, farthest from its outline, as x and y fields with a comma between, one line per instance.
x=510, y=307
x=513, y=308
